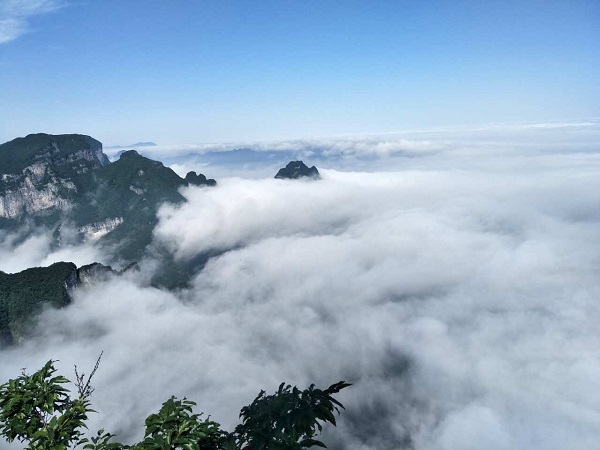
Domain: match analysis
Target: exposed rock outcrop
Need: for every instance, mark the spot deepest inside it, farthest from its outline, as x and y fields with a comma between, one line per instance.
x=96, y=230
x=38, y=171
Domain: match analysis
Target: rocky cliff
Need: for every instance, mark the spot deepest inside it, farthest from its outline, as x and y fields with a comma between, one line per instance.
x=37, y=172
x=53, y=180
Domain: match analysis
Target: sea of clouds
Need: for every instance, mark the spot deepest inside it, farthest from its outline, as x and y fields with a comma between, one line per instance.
x=451, y=276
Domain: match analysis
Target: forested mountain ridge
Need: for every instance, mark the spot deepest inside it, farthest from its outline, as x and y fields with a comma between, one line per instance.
x=68, y=186
x=66, y=180
x=23, y=295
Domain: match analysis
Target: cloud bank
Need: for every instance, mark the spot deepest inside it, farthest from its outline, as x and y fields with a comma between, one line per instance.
x=384, y=152
x=457, y=292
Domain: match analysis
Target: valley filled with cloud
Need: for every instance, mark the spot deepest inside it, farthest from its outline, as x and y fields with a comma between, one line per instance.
x=450, y=275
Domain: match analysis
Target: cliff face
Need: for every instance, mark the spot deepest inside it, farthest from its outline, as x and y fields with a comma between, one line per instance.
x=50, y=180
x=32, y=199
x=38, y=171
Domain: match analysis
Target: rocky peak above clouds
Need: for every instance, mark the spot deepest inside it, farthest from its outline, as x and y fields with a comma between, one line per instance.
x=297, y=169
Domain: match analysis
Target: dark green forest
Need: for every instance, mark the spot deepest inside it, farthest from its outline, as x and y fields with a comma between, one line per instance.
x=23, y=295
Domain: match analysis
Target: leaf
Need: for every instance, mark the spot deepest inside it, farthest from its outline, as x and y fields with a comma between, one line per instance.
x=312, y=443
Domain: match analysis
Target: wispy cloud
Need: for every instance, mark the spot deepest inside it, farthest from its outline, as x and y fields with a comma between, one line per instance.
x=15, y=15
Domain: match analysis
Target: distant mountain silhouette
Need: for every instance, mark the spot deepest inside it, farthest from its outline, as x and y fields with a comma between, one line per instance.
x=137, y=144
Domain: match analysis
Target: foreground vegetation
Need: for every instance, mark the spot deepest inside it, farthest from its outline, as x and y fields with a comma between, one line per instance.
x=39, y=411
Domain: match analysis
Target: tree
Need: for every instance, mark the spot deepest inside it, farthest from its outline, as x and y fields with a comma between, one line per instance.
x=175, y=426
x=39, y=411
x=289, y=419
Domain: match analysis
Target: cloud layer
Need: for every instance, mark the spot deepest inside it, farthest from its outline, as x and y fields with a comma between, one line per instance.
x=384, y=152
x=459, y=293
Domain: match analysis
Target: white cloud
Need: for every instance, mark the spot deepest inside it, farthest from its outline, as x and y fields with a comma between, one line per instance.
x=459, y=293
x=26, y=248
x=17, y=254
x=384, y=152
x=15, y=14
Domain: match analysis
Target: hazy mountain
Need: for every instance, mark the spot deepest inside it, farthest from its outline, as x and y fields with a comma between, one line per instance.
x=137, y=144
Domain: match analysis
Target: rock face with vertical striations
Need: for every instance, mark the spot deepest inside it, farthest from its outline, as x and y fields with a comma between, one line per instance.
x=297, y=169
x=37, y=172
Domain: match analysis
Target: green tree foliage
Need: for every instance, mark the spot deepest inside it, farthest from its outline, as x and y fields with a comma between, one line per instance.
x=289, y=419
x=175, y=426
x=40, y=412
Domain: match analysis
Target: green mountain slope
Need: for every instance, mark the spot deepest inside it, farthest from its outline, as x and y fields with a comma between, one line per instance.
x=130, y=189
x=67, y=181
x=23, y=294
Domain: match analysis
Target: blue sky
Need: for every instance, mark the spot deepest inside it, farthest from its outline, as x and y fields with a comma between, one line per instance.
x=216, y=71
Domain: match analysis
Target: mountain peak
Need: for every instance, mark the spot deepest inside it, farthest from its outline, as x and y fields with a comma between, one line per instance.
x=75, y=151
x=129, y=154
x=297, y=169
x=199, y=179
x=137, y=144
